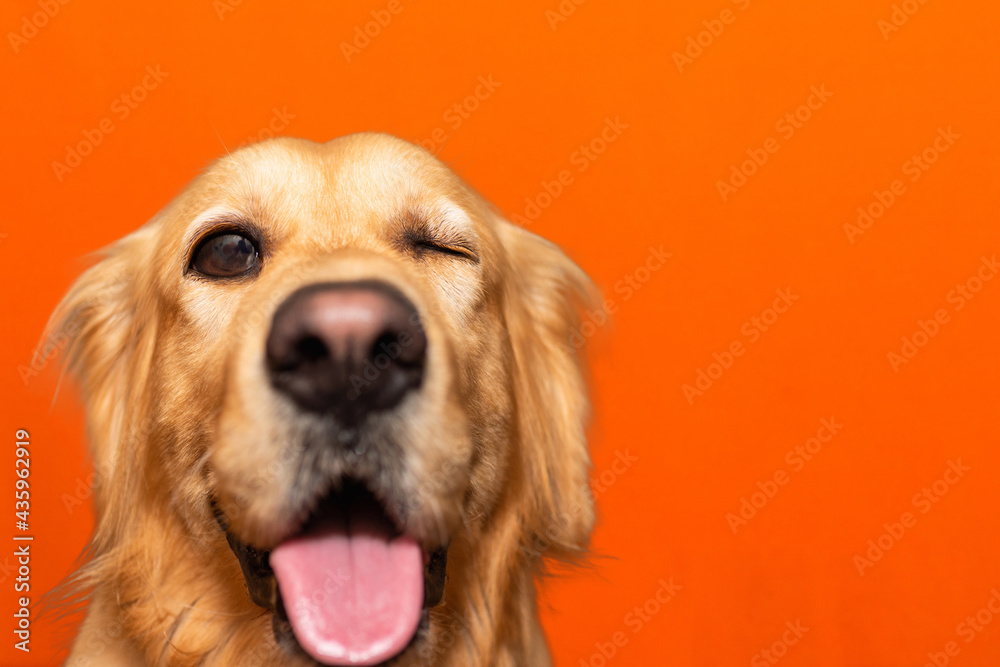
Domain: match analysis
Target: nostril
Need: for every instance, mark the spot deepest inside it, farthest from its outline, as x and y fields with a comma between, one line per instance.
x=288, y=356
x=310, y=348
x=382, y=347
x=385, y=349
x=405, y=347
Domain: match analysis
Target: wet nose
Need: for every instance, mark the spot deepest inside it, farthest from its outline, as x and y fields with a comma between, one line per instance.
x=349, y=349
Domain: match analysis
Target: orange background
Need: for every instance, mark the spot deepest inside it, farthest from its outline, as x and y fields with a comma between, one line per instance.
x=665, y=515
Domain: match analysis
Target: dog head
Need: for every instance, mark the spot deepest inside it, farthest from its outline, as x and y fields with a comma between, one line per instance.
x=339, y=360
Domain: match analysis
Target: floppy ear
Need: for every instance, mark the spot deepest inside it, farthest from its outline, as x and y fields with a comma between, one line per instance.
x=105, y=324
x=545, y=294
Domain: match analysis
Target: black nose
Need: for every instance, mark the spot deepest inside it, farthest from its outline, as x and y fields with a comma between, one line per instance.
x=347, y=349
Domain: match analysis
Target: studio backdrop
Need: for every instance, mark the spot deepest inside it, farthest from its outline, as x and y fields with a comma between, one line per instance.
x=789, y=207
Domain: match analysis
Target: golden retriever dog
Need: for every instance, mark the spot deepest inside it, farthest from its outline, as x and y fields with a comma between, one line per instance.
x=337, y=417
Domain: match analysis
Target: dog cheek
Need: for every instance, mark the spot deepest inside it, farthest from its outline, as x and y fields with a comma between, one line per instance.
x=252, y=474
x=436, y=479
x=435, y=489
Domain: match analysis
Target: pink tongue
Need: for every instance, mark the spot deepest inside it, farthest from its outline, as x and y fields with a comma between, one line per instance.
x=353, y=592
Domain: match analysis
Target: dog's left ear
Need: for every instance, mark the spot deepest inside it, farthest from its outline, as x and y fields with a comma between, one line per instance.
x=106, y=348
x=546, y=293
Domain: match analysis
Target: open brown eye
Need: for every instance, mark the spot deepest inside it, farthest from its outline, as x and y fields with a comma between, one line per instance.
x=225, y=255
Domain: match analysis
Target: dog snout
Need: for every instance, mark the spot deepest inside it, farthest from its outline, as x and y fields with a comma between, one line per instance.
x=348, y=349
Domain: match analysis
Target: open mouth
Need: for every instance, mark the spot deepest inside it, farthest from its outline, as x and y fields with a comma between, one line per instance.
x=350, y=585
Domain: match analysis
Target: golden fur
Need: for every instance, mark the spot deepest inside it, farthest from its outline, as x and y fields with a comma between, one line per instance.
x=179, y=411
